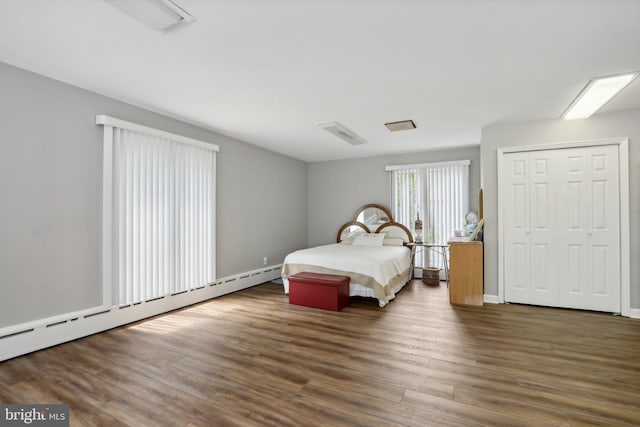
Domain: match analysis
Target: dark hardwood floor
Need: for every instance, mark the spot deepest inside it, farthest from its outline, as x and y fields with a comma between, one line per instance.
x=251, y=359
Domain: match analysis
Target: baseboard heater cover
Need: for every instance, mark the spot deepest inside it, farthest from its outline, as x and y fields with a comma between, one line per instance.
x=17, y=340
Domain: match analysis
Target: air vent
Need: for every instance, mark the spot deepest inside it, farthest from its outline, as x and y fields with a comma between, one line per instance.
x=402, y=125
x=342, y=132
x=159, y=15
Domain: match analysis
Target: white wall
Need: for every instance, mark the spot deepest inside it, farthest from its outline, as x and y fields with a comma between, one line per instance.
x=602, y=126
x=338, y=188
x=50, y=192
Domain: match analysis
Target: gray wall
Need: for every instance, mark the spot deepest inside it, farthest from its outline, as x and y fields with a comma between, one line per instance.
x=338, y=188
x=50, y=192
x=602, y=126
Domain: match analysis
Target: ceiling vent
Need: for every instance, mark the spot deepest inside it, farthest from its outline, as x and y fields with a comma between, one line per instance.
x=342, y=132
x=159, y=15
x=402, y=125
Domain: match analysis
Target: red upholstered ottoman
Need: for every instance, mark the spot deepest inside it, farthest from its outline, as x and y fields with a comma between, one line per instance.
x=326, y=291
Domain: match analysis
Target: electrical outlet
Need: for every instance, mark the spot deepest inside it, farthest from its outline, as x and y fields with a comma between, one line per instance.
x=265, y=260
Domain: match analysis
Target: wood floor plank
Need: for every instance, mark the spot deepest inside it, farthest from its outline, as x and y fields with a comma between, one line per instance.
x=468, y=413
x=250, y=359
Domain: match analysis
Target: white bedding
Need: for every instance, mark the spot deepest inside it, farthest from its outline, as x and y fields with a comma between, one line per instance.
x=377, y=272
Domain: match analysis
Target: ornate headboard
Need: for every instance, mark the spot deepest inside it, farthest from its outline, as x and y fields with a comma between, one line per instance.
x=374, y=218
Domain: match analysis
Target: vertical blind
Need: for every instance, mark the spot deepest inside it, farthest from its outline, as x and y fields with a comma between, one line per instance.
x=163, y=216
x=406, y=201
x=446, y=200
x=439, y=192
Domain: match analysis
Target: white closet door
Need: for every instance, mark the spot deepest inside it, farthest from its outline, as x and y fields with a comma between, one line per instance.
x=517, y=252
x=543, y=212
x=561, y=228
x=589, y=229
x=529, y=239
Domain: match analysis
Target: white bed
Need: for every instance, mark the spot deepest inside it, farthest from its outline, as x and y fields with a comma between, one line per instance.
x=378, y=264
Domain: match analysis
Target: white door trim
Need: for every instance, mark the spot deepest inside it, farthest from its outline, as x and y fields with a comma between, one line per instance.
x=623, y=170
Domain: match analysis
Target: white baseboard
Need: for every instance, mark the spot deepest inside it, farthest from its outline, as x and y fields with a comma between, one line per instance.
x=634, y=313
x=490, y=299
x=17, y=340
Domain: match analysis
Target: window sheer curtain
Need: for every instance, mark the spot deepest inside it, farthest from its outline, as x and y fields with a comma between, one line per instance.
x=163, y=232
x=440, y=193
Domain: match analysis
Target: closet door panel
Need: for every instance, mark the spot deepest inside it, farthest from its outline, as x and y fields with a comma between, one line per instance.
x=587, y=229
x=542, y=206
x=604, y=228
x=517, y=267
x=575, y=280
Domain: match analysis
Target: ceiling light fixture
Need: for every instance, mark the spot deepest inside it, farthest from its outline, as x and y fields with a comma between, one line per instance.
x=159, y=15
x=401, y=125
x=342, y=132
x=597, y=93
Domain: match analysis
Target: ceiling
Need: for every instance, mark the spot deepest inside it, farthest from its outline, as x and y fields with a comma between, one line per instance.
x=267, y=72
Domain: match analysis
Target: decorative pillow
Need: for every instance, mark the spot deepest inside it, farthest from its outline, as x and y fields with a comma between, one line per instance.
x=372, y=239
x=393, y=241
x=347, y=240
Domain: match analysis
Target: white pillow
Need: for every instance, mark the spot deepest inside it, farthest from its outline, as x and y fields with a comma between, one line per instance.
x=393, y=241
x=372, y=239
x=347, y=240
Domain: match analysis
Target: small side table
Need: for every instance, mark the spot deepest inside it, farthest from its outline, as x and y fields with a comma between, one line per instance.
x=466, y=282
x=439, y=249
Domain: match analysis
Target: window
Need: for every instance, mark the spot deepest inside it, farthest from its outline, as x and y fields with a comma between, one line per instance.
x=439, y=193
x=159, y=213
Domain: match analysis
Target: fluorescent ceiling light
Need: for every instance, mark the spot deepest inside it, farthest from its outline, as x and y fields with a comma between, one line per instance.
x=597, y=93
x=159, y=15
x=342, y=132
x=401, y=125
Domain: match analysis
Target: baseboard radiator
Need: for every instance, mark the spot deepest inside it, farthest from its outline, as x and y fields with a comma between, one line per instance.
x=24, y=338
